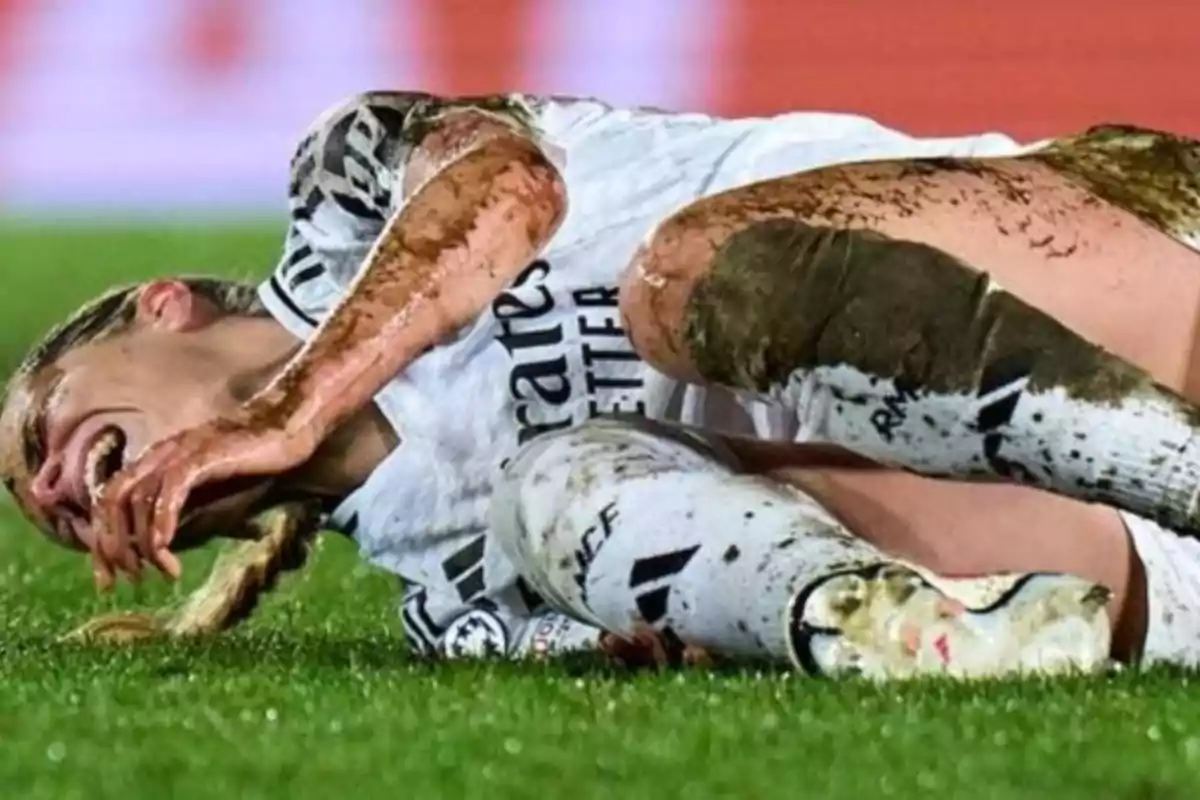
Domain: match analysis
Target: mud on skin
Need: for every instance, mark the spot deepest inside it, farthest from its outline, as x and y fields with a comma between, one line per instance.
x=783, y=295
x=824, y=296
x=409, y=268
x=1153, y=175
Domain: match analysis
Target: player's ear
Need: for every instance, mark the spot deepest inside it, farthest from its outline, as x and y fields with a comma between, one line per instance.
x=171, y=305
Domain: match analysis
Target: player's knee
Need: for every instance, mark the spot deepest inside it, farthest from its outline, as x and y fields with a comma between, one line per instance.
x=658, y=283
x=526, y=495
x=552, y=494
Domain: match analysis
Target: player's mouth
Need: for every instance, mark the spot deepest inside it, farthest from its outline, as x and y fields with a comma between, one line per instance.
x=92, y=454
x=104, y=459
x=95, y=451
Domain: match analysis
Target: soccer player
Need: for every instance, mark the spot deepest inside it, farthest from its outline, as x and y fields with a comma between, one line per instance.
x=473, y=267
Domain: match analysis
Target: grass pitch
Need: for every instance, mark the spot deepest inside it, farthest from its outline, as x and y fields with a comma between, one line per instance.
x=315, y=697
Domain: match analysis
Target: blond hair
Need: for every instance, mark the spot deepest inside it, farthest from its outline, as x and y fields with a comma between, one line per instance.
x=115, y=311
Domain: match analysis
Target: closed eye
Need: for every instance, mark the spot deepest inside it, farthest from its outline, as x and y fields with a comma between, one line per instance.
x=35, y=437
x=33, y=442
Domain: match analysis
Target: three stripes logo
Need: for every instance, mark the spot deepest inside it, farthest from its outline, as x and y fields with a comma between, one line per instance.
x=464, y=569
x=651, y=576
x=1000, y=389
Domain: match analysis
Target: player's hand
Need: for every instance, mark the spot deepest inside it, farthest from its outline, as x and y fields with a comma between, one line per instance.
x=648, y=648
x=140, y=507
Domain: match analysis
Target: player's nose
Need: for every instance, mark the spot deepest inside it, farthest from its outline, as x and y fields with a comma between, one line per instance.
x=49, y=487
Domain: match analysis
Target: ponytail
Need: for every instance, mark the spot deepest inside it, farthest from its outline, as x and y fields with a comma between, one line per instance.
x=279, y=540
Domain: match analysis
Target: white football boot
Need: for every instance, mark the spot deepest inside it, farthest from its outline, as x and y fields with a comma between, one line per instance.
x=893, y=621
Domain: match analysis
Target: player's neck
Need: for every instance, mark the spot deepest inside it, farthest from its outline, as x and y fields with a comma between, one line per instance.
x=346, y=459
x=256, y=349
x=252, y=350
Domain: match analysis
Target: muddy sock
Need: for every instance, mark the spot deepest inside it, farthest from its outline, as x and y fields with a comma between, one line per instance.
x=631, y=531
x=628, y=530
x=907, y=355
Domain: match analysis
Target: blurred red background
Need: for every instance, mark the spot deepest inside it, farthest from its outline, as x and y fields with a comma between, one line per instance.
x=1030, y=68
x=193, y=103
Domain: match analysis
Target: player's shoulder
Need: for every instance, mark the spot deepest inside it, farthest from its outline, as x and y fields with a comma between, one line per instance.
x=408, y=113
x=362, y=143
x=376, y=129
x=378, y=115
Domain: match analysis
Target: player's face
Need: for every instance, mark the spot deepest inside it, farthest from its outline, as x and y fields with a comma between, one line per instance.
x=69, y=427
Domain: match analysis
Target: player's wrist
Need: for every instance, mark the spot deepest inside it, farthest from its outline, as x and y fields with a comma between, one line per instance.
x=291, y=416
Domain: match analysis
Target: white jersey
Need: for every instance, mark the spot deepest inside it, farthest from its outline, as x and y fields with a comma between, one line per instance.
x=549, y=352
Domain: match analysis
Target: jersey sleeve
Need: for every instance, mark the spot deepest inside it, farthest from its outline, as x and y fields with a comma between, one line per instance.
x=341, y=192
x=347, y=175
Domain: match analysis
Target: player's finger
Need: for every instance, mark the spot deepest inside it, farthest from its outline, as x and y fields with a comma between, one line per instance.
x=141, y=507
x=113, y=532
x=119, y=555
x=102, y=572
x=107, y=517
x=141, y=510
x=124, y=545
x=168, y=563
x=176, y=487
x=127, y=506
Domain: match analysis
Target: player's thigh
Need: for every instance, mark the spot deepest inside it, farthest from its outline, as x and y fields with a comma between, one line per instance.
x=774, y=259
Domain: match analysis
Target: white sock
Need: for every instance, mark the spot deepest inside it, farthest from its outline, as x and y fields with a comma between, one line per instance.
x=1172, y=566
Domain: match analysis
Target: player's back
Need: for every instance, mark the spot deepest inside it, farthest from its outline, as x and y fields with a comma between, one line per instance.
x=627, y=168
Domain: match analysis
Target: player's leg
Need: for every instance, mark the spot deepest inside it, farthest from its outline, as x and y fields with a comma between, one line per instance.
x=954, y=528
x=860, y=296
x=1169, y=593
x=632, y=525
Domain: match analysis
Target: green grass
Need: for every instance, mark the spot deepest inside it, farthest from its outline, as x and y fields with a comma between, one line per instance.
x=315, y=698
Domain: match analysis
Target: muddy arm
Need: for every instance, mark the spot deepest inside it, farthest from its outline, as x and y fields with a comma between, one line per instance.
x=480, y=199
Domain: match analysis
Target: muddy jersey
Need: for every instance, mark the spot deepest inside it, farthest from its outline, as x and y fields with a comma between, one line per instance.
x=549, y=352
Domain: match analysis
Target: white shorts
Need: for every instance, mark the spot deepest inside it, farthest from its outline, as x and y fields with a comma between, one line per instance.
x=1172, y=565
